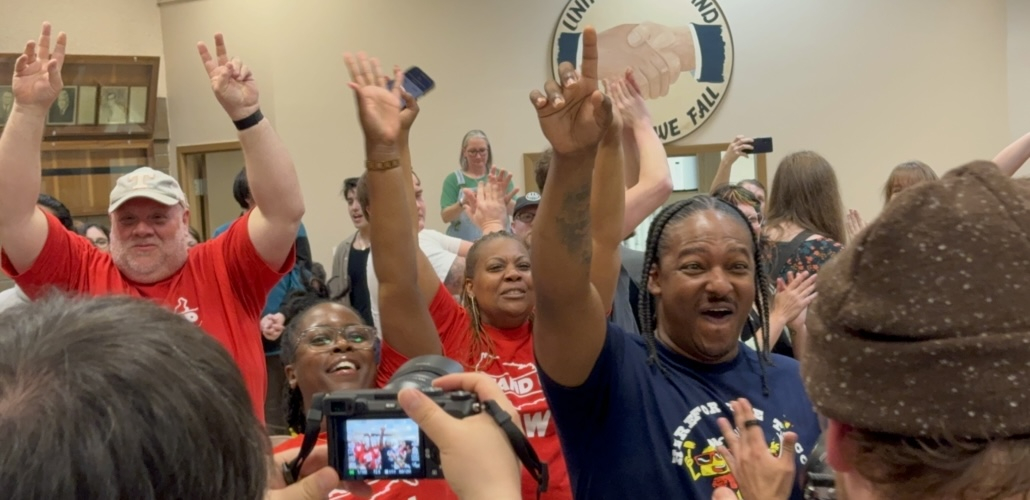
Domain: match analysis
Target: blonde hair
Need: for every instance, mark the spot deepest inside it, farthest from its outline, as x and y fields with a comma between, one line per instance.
x=906, y=175
x=805, y=192
x=905, y=468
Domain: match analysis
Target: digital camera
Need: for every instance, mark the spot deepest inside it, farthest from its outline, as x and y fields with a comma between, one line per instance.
x=370, y=436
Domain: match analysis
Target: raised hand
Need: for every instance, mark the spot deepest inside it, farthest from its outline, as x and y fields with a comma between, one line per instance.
x=740, y=146
x=502, y=178
x=37, y=72
x=574, y=114
x=379, y=108
x=626, y=98
x=617, y=91
x=410, y=111
x=759, y=474
x=793, y=296
x=854, y=224
x=231, y=80
x=489, y=203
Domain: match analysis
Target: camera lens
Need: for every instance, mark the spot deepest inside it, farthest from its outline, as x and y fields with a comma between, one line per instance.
x=420, y=372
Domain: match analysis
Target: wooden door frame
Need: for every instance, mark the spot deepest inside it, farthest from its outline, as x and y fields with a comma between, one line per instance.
x=198, y=221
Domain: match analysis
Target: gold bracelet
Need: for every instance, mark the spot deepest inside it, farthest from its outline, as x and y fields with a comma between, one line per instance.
x=382, y=166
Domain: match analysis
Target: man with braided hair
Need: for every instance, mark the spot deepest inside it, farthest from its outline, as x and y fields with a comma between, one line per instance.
x=630, y=406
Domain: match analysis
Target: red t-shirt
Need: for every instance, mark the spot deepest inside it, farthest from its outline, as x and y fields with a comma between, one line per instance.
x=383, y=489
x=222, y=289
x=512, y=365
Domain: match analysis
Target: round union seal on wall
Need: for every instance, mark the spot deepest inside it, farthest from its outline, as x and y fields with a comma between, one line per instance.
x=681, y=53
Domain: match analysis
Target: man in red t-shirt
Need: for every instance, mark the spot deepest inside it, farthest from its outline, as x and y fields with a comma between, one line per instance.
x=220, y=285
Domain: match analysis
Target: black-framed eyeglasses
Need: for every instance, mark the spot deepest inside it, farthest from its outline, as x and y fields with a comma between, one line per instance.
x=324, y=338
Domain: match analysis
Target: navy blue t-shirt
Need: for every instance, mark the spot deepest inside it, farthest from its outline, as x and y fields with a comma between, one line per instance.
x=631, y=432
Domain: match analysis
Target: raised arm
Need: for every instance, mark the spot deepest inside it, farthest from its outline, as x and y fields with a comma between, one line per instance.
x=404, y=313
x=1010, y=159
x=607, y=207
x=569, y=329
x=36, y=83
x=654, y=185
x=273, y=180
x=739, y=147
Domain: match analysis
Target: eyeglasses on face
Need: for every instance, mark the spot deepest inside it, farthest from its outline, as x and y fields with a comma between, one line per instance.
x=525, y=217
x=476, y=152
x=324, y=338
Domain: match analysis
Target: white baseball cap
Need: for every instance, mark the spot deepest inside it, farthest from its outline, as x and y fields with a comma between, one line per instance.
x=145, y=182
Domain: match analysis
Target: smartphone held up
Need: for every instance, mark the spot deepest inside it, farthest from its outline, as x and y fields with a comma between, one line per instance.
x=416, y=82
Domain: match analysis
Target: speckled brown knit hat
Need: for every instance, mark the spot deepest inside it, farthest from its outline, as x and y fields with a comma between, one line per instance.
x=922, y=325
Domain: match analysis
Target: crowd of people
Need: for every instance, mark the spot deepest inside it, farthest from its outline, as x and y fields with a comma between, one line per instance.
x=756, y=327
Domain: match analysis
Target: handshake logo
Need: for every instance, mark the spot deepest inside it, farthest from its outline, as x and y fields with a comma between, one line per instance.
x=681, y=59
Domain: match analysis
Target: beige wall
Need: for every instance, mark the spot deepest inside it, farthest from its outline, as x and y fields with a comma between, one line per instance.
x=867, y=83
x=96, y=27
x=221, y=169
x=1018, y=17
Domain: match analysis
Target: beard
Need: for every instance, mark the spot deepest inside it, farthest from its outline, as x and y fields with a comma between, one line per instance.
x=164, y=261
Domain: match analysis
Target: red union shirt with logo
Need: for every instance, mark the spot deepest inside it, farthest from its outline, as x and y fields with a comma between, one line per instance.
x=222, y=289
x=513, y=366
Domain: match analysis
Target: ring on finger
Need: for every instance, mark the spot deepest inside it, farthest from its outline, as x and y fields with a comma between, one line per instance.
x=752, y=423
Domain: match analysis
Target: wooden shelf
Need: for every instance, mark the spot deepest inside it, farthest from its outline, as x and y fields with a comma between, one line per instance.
x=103, y=97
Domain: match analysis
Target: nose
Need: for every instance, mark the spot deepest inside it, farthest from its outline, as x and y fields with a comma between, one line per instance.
x=718, y=284
x=340, y=344
x=142, y=229
x=512, y=273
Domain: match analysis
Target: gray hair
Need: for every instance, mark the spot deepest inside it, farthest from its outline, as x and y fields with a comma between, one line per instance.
x=465, y=143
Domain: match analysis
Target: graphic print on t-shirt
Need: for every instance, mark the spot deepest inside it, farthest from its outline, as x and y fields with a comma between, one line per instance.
x=698, y=452
x=192, y=314
x=521, y=385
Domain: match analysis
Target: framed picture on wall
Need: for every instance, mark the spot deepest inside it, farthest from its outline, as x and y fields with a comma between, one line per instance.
x=138, y=101
x=87, y=105
x=6, y=102
x=114, y=106
x=62, y=112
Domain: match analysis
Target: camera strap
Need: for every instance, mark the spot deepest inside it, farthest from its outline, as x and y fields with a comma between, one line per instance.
x=527, y=455
x=312, y=426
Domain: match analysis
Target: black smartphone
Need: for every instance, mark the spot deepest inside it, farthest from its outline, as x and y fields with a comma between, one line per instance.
x=761, y=145
x=416, y=83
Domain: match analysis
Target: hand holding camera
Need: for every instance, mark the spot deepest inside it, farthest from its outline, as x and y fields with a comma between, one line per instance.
x=476, y=455
x=430, y=419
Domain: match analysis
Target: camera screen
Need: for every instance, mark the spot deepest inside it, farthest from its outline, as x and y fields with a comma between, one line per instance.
x=383, y=448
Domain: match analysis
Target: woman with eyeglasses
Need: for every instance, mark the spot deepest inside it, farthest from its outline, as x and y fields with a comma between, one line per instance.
x=327, y=347
x=476, y=159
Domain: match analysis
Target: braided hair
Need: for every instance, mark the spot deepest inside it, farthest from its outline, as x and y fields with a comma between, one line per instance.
x=656, y=244
x=480, y=340
x=295, y=307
